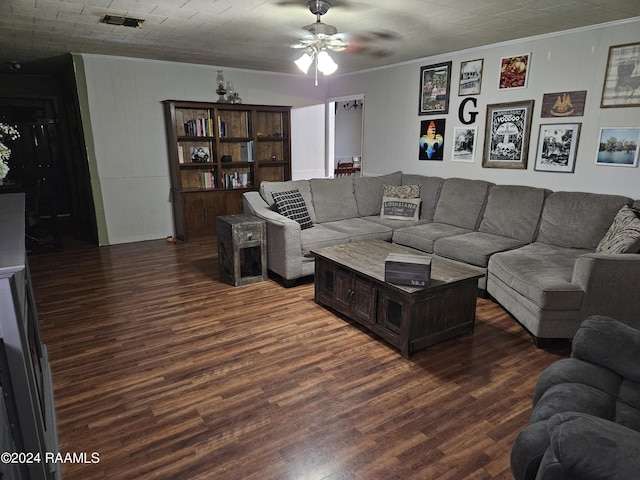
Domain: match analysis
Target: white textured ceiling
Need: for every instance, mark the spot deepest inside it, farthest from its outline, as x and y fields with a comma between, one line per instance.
x=257, y=34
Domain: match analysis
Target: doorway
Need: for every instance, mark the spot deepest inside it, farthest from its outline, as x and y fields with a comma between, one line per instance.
x=345, y=131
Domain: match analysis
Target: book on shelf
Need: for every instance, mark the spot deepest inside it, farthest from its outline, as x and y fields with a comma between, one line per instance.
x=180, y=153
x=222, y=127
x=207, y=179
x=237, y=179
x=246, y=151
x=199, y=127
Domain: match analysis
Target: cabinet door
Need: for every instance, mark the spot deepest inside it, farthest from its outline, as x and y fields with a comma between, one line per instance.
x=393, y=320
x=343, y=290
x=199, y=215
x=363, y=300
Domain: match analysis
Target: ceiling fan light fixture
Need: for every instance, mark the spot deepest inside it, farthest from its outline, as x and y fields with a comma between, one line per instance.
x=326, y=64
x=304, y=62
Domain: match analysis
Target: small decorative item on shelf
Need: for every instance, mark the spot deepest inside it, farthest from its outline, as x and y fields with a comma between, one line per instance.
x=221, y=89
x=199, y=154
x=7, y=132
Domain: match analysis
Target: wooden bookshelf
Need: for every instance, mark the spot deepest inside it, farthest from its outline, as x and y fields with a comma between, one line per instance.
x=217, y=152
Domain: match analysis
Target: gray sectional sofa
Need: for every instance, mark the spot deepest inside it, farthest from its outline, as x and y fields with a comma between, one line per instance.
x=536, y=248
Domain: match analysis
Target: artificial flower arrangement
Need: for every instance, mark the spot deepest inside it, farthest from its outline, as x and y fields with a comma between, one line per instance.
x=7, y=132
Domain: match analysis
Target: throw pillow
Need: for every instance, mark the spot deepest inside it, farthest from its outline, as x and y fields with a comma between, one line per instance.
x=623, y=235
x=401, y=191
x=401, y=202
x=291, y=205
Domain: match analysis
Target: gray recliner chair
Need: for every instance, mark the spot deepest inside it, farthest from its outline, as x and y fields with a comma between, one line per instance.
x=585, y=422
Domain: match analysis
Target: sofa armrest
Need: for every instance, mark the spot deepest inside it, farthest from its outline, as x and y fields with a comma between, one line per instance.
x=587, y=447
x=610, y=285
x=284, y=250
x=609, y=343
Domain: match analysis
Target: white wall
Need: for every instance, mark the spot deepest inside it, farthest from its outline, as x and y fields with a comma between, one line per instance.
x=123, y=98
x=307, y=142
x=130, y=156
x=572, y=61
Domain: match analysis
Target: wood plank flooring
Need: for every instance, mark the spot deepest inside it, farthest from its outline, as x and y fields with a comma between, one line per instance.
x=168, y=373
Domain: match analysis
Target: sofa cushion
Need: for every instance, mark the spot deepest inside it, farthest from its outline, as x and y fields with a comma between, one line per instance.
x=513, y=211
x=623, y=235
x=461, y=202
x=423, y=237
x=333, y=199
x=267, y=189
x=474, y=247
x=578, y=219
x=430, y=188
x=291, y=205
x=359, y=229
x=319, y=236
x=542, y=273
x=369, y=192
x=394, y=224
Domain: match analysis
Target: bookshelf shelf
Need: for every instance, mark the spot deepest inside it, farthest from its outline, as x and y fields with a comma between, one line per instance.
x=218, y=151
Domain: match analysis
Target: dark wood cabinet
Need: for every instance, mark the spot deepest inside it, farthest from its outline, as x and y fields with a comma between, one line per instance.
x=218, y=151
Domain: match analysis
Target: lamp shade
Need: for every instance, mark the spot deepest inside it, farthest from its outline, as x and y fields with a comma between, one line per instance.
x=326, y=64
x=304, y=62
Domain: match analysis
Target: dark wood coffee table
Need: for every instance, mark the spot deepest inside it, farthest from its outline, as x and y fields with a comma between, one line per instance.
x=349, y=279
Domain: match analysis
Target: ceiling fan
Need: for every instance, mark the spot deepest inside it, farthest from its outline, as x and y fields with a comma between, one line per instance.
x=320, y=39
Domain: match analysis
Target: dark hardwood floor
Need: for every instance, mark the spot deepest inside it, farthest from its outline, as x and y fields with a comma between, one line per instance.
x=167, y=373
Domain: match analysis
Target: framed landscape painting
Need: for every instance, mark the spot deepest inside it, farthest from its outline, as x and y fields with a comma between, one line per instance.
x=618, y=147
x=435, y=82
x=507, y=132
x=557, y=147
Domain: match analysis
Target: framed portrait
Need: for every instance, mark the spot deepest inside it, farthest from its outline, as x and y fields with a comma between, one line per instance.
x=563, y=104
x=514, y=71
x=470, y=77
x=557, y=147
x=464, y=142
x=506, y=143
x=618, y=147
x=622, y=78
x=435, y=81
x=432, y=139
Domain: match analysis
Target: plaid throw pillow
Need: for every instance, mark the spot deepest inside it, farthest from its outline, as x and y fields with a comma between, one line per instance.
x=291, y=205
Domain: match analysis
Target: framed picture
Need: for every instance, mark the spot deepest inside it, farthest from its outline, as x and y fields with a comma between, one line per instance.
x=435, y=82
x=199, y=154
x=432, y=139
x=563, y=104
x=470, y=77
x=557, y=146
x=622, y=78
x=464, y=143
x=506, y=140
x=514, y=71
x=618, y=147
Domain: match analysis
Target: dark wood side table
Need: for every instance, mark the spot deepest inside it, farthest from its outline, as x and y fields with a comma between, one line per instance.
x=242, y=249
